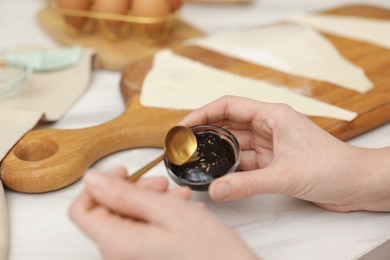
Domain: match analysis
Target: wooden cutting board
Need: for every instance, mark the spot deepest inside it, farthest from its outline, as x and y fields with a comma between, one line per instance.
x=49, y=159
x=373, y=107
x=113, y=55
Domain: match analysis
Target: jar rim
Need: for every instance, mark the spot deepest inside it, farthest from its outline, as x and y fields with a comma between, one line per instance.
x=223, y=133
x=14, y=76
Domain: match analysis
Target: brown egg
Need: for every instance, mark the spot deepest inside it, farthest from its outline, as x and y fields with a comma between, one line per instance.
x=175, y=4
x=119, y=7
x=151, y=8
x=76, y=22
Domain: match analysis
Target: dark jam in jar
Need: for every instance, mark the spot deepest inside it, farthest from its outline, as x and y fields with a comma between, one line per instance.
x=215, y=157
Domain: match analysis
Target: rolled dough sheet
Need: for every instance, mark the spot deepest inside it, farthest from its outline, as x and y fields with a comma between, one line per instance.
x=374, y=31
x=181, y=83
x=291, y=48
x=4, y=231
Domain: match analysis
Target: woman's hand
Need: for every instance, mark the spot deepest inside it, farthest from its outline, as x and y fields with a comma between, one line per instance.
x=284, y=152
x=145, y=220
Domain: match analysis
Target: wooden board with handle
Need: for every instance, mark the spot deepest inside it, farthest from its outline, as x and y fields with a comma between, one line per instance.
x=49, y=159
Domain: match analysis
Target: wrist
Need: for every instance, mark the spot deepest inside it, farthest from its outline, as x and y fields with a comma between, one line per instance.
x=375, y=181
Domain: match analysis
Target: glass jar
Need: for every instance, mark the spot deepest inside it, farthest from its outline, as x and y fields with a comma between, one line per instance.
x=14, y=76
x=218, y=153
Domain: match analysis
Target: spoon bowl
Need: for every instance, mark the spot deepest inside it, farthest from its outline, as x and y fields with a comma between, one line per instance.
x=179, y=147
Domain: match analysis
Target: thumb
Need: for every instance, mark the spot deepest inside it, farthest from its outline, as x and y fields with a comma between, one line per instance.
x=245, y=184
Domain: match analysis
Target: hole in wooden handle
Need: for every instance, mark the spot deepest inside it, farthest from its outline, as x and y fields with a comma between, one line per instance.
x=35, y=149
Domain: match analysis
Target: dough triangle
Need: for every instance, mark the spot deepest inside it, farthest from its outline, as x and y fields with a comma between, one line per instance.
x=177, y=82
x=291, y=48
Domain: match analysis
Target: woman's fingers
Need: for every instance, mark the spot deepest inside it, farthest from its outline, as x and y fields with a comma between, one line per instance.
x=252, y=160
x=183, y=193
x=246, y=184
x=79, y=212
x=117, y=172
x=335, y=207
x=236, y=110
x=248, y=160
x=99, y=223
x=129, y=200
x=137, y=200
x=153, y=183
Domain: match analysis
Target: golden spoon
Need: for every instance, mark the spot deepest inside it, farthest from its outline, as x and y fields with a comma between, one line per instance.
x=179, y=147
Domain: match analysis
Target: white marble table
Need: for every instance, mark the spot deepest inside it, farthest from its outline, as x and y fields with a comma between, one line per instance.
x=276, y=227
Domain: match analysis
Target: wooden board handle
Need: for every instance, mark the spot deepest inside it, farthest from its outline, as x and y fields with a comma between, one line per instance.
x=49, y=159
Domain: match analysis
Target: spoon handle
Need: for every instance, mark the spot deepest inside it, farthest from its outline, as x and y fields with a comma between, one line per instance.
x=146, y=168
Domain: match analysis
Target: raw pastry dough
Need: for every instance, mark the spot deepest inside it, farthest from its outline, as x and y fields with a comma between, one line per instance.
x=375, y=31
x=291, y=48
x=181, y=83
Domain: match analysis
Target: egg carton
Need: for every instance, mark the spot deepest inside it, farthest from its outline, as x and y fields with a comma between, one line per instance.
x=149, y=30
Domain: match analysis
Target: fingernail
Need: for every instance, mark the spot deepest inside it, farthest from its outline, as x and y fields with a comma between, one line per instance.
x=221, y=191
x=95, y=178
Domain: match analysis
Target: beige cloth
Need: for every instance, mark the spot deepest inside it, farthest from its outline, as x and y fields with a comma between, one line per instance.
x=53, y=93
x=13, y=125
x=47, y=97
x=4, y=232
